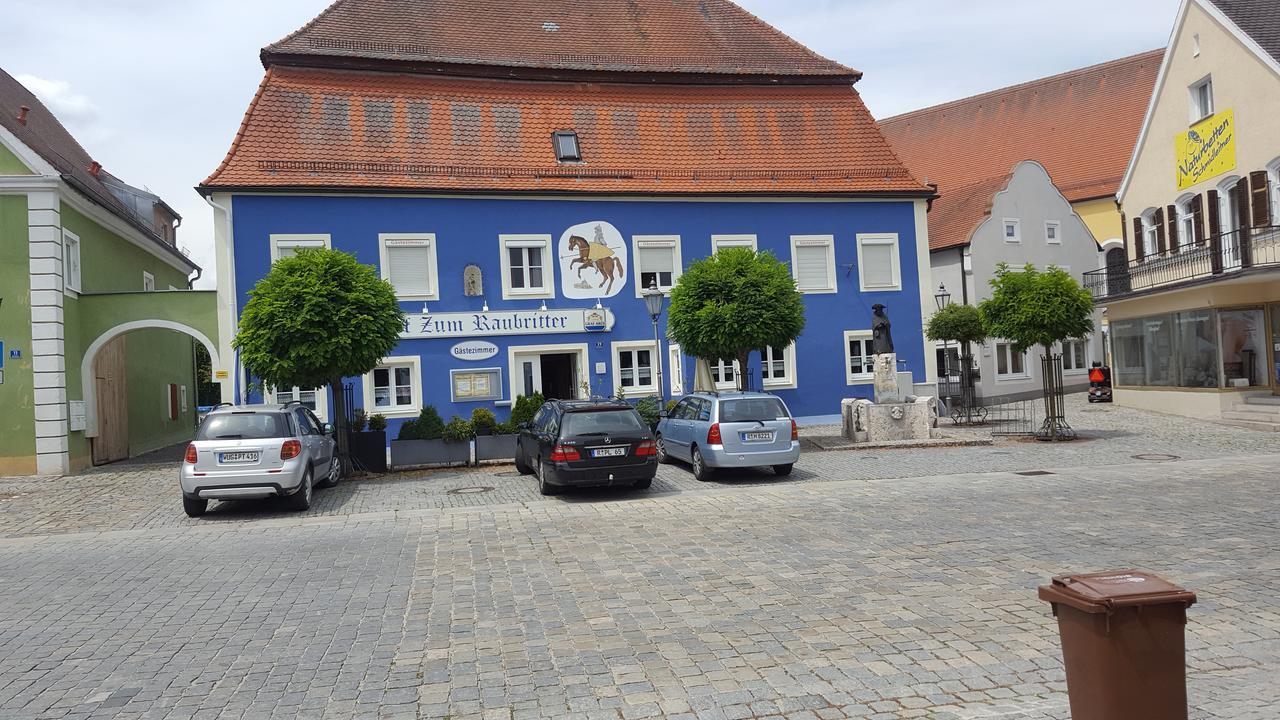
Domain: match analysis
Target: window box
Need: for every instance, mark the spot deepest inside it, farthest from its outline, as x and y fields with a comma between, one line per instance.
x=496, y=447
x=425, y=453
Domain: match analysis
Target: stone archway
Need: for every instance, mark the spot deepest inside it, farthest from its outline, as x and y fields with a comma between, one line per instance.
x=88, y=379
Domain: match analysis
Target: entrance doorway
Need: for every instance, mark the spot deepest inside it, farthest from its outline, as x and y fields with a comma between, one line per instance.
x=112, y=442
x=553, y=371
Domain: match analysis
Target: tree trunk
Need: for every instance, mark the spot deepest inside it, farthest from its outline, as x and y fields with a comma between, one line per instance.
x=743, y=357
x=340, y=423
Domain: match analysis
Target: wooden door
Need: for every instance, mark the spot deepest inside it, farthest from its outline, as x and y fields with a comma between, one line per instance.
x=112, y=442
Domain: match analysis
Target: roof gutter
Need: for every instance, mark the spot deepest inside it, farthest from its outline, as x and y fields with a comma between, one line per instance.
x=207, y=190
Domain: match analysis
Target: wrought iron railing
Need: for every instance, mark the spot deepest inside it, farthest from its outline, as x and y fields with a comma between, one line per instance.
x=1221, y=254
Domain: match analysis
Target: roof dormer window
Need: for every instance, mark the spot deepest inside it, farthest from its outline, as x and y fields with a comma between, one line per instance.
x=566, y=146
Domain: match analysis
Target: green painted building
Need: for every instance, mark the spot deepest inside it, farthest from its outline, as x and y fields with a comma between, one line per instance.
x=97, y=320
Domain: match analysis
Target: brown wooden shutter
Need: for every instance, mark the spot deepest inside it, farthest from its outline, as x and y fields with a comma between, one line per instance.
x=1139, y=248
x=1197, y=219
x=1124, y=233
x=1174, y=240
x=1261, y=183
x=1158, y=220
x=1215, y=222
x=1244, y=239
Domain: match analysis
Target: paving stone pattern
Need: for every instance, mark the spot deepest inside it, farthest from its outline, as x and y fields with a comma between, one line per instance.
x=901, y=592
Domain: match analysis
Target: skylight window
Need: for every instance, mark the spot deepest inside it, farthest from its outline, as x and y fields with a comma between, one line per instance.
x=566, y=146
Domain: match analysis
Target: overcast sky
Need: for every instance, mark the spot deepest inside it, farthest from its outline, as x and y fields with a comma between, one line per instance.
x=155, y=89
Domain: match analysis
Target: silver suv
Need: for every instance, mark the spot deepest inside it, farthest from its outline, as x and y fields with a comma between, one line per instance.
x=729, y=430
x=258, y=451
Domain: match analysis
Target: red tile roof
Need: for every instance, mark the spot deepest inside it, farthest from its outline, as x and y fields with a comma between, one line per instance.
x=1081, y=125
x=314, y=128
x=663, y=36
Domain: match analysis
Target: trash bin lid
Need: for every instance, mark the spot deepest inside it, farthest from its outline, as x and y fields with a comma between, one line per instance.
x=1102, y=592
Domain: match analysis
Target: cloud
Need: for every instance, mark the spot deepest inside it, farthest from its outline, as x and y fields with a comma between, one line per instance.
x=73, y=109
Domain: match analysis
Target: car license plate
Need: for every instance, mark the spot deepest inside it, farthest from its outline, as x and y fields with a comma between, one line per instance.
x=609, y=452
x=758, y=437
x=237, y=457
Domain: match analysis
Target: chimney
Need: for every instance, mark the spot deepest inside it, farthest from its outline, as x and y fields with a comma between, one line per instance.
x=95, y=167
x=22, y=114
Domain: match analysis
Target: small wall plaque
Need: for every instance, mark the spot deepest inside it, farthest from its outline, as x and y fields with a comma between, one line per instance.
x=472, y=281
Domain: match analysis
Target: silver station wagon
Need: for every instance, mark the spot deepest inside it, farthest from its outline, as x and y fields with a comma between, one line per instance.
x=729, y=430
x=258, y=451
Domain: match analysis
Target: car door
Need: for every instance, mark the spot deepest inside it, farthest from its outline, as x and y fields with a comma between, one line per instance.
x=328, y=445
x=675, y=438
x=309, y=436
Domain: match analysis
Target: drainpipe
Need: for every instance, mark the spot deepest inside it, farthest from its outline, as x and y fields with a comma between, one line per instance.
x=239, y=391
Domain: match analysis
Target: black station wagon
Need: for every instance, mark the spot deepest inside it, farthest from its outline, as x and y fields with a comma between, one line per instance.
x=587, y=442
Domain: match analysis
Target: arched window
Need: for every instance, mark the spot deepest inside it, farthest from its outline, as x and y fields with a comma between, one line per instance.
x=1150, y=234
x=1186, y=220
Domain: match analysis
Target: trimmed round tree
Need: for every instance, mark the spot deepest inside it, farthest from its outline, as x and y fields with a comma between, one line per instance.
x=956, y=323
x=733, y=302
x=1030, y=307
x=316, y=318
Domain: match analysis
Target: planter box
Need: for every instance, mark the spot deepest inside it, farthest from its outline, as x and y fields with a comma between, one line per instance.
x=496, y=447
x=406, y=453
x=369, y=450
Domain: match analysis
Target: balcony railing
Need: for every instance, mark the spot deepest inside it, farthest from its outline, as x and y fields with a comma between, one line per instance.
x=1221, y=255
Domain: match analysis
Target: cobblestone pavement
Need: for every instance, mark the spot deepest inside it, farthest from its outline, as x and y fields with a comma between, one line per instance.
x=901, y=592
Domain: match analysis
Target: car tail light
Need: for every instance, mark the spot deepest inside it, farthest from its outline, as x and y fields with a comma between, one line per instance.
x=713, y=435
x=191, y=454
x=564, y=453
x=648, y=447
x=795, y=431
x=290, y=449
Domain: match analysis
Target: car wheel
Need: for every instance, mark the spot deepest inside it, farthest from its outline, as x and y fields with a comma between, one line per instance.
x=301, y=500
x=334, y=474
x=782, y=469
x=663, y=459
x=643, y=484
x=545, y=487
x=194, y=507
x=521, y=466
x=701, y=472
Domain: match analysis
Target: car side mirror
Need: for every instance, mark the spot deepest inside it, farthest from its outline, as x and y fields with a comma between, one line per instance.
x=662, y=414
x=327, y=428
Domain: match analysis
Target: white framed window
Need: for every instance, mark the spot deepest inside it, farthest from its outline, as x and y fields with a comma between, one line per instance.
x=675, y=369
x=394, y=387
x=1186, y=221
x=70, y=261
x=719, y=242
x=528, y=268
x=656, y=259
x=1053, y=232
x=1012, y=230
x=813, y=263
x=182, y=397
x=1150, y=234
x=1273, y=176
x=1010, y=364
x=288, y=245
x=1075, y=356
x=879, y=268
x=314, y=399
x=859, y=360
x=148, y=282
x=635, y=367
x=778, y=367
x=1201, y=99
x=469, y=385
x=408, y=262
x=724, y=373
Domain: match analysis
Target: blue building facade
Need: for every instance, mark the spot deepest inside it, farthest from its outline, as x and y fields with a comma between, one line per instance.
x=480, y=344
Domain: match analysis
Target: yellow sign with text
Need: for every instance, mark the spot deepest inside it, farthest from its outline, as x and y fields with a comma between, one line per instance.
x=1207, y=149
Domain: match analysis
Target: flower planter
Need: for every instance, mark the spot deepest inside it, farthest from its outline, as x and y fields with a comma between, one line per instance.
x=495, y=447
x=409, y=453
x=369, y=450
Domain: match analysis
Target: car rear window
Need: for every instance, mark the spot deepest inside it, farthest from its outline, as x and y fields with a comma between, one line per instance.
x=243, y=426
x=752, y=409
x=622, y=420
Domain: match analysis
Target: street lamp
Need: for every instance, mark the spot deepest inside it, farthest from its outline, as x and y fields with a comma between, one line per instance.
x=942, y=297
x=653, y=303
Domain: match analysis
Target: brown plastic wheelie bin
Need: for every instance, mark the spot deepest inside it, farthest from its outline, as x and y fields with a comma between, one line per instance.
x=1122, y=644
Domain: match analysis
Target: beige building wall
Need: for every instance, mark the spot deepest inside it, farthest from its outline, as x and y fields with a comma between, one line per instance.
x=1242, y=82
x=1101, y=216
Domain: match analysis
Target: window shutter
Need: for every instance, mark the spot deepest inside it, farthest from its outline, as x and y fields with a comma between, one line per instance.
x=877, y=260
x=1197, y=219
x=1158, y=220
x=409, y=269
x=1124, y=232
x=811, y=267
x=1242, y=204
x=1172, y=216
x=1261, y=198
x=656, y=259
x=1215, y=221
x=1139, y=247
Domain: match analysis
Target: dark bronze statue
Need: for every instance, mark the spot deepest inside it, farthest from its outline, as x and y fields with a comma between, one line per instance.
x=881, y=339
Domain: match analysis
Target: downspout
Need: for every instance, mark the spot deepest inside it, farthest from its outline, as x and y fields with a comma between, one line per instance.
x=238, y=388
